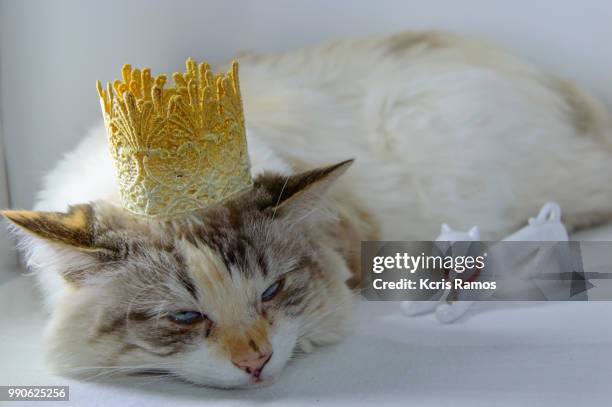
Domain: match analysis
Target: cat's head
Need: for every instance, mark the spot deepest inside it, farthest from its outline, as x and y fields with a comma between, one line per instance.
x=220, y=297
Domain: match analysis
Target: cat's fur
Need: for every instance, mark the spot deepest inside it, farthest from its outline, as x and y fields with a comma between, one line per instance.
x=443, y=128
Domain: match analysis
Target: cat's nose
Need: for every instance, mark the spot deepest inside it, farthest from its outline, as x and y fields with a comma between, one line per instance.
x=253, y=365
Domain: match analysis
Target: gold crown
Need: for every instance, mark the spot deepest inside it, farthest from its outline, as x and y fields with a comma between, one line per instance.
x=176, y=149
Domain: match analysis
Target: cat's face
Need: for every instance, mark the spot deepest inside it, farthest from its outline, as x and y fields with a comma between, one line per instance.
x=222, y=297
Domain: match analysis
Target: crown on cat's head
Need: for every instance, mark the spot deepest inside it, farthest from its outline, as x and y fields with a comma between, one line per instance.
x=180, y=148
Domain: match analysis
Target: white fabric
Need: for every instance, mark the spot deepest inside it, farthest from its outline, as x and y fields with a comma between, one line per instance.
x=506, y=354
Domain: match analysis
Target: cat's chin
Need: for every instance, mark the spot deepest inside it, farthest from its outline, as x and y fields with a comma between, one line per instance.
x=229, y=378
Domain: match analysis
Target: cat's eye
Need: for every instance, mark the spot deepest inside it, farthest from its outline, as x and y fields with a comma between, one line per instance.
x=187, y=317
x=273, y=290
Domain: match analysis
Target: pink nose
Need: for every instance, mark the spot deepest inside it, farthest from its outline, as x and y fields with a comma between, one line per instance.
x=253, y=366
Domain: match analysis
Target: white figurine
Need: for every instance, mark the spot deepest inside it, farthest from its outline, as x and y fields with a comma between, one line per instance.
x=546, y=227
x=445, y=311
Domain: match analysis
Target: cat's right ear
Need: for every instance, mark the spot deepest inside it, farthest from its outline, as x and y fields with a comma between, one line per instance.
x=298, y=194
x=65, y=238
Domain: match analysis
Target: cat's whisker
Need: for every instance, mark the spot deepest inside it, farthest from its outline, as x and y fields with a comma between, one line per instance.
x=105, y=372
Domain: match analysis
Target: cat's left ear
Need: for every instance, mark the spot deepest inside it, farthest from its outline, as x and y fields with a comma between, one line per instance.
x=298, y=194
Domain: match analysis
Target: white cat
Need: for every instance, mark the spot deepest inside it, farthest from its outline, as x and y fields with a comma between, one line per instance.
x=441, y=128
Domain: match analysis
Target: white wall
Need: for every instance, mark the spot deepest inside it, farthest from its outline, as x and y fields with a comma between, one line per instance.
x=51, y=52
x=8, y=254
x=8, y=257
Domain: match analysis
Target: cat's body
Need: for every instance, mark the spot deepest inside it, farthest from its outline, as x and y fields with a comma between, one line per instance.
x=442, y=128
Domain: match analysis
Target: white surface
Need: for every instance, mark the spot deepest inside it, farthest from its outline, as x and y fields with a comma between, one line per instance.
x=512, y=354
x=51, y=52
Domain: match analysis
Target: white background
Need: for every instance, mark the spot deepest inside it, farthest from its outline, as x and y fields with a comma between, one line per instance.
x=7, y=254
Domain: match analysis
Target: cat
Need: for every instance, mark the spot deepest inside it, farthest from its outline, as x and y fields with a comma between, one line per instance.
x=441, y=127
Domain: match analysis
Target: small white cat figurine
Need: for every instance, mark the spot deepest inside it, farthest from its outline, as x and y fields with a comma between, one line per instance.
x=445, y=310
x=546, y=227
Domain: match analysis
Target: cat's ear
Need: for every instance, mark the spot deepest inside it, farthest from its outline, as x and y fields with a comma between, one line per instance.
x=300, y=193
x=73, y=228
x=67, y=240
